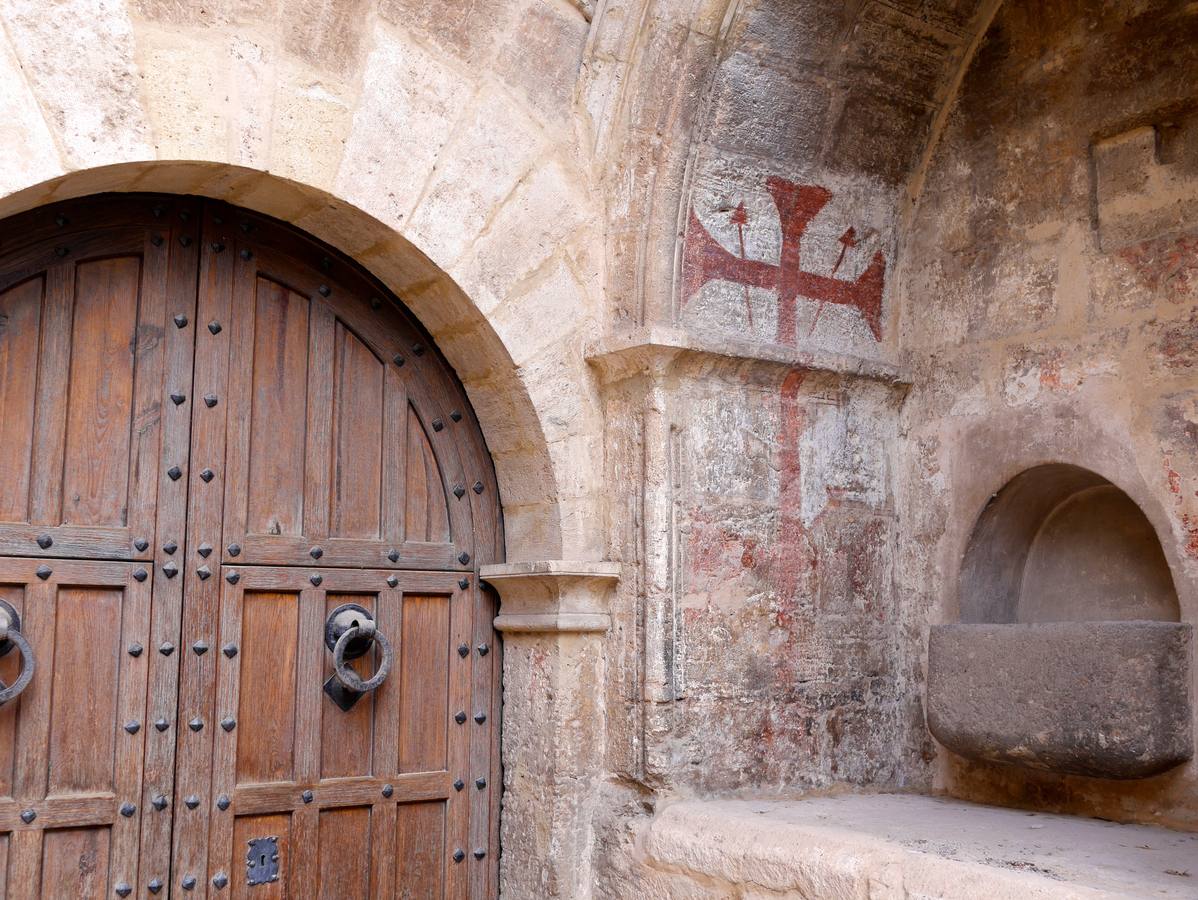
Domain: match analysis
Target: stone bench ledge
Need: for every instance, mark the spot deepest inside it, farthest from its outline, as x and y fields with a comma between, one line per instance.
x=888, y=846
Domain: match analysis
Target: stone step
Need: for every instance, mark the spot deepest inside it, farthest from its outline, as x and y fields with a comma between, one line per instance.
x=892, y=846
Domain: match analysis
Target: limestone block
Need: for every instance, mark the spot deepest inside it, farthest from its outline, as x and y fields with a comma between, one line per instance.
x=894, y=847
x=78, y=56
x=312, y=116
x=1105, y=699
x=527, y=230
x=1140, y=196
x=409, y=105
x=31, y=155
x=490, y=152
x=553, y=595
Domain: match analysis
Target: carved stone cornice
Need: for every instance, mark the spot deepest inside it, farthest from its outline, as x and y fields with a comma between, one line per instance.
x=659, y=351
x=550, y=596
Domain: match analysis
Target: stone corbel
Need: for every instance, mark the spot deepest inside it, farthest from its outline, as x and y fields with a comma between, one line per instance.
x=553, y=595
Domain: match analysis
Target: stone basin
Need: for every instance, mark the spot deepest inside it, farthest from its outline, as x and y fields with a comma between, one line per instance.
x=1105, y=699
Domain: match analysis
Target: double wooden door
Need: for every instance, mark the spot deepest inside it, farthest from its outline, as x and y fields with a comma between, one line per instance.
x=214, y=431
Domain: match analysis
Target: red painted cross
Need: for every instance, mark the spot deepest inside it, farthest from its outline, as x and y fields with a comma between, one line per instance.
x=704, y=260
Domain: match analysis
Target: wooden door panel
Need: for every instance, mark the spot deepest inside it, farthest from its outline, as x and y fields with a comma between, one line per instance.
x=329, y=434
x=330, y=452
x=419, y=850
x=86, y=373
x=345, y=842
x=76, y=734
x=336, y=782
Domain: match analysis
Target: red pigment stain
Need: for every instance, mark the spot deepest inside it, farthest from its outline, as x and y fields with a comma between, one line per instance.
x=1167, y=265
x=1172, y=476
x=713, y=546
x=704, y=259
x=1190, y=524
x=1050, y=373
x=787, y=562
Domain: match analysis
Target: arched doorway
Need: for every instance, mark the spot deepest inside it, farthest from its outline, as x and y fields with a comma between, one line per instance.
x=214, y=432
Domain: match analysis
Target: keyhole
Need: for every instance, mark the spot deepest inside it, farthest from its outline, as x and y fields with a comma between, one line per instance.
x=262, y=860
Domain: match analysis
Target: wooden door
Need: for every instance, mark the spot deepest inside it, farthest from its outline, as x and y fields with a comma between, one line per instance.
x=97, y=309
x=213, y=431
x=72, y=746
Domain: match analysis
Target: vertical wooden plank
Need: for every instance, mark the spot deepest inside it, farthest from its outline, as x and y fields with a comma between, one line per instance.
x=424, y=683
x=171, y=269
x=420, y=852
x=425, y=513
x=357, y=439
x=389, y=619
x=484, y=623
x=267, y=714
x=205, y=498
x=25, y=864
x=278, y=408
x=238, y=401
x=53, y=368
x=96, y=461
x=84, y=685
x=344, y=865
x=248, y=828
x=75, y=863
x=308, y=696
x=4, y=839
x=128, y=760
x=319, y=424
x=32, y=748
x=20, y=338
x=14, y=595
x=346, y=738
x=150, y=389
x=38, y=624
x=221, y=852
x=309, y=664
x=395, y=443
x=457, y=611
x=472, y=603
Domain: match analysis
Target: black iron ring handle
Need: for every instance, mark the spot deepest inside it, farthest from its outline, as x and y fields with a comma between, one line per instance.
x=346, y=675
x=12, y=691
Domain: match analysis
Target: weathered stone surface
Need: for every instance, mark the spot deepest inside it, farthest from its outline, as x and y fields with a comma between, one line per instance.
x=900, y=847
x=758, y=300
x=1105, y=699
x=79, y=60
x=1049, y=280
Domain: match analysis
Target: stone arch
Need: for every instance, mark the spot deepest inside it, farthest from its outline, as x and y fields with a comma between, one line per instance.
x=503, y=400
x=438, y=154
x=1060, y=543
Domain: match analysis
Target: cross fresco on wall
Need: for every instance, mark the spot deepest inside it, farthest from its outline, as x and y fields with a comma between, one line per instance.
x=705, y=259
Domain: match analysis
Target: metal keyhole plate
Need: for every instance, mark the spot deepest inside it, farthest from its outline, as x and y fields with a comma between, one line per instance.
x=262, y=860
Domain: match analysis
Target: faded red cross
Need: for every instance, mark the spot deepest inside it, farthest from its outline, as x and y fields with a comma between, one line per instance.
x=704, y=259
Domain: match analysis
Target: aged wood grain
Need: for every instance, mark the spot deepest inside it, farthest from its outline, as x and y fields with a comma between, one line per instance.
x=145, y=336
x=20, y=336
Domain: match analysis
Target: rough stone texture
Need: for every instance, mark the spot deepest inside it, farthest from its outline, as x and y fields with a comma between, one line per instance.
x=1059, y=543
x=758, y=300
x=897, y=847
x=1105, y=699
x=1047, y=298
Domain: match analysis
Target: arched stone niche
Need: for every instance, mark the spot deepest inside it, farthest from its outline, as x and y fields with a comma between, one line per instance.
x=1060, y=543
x=1069, y=656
